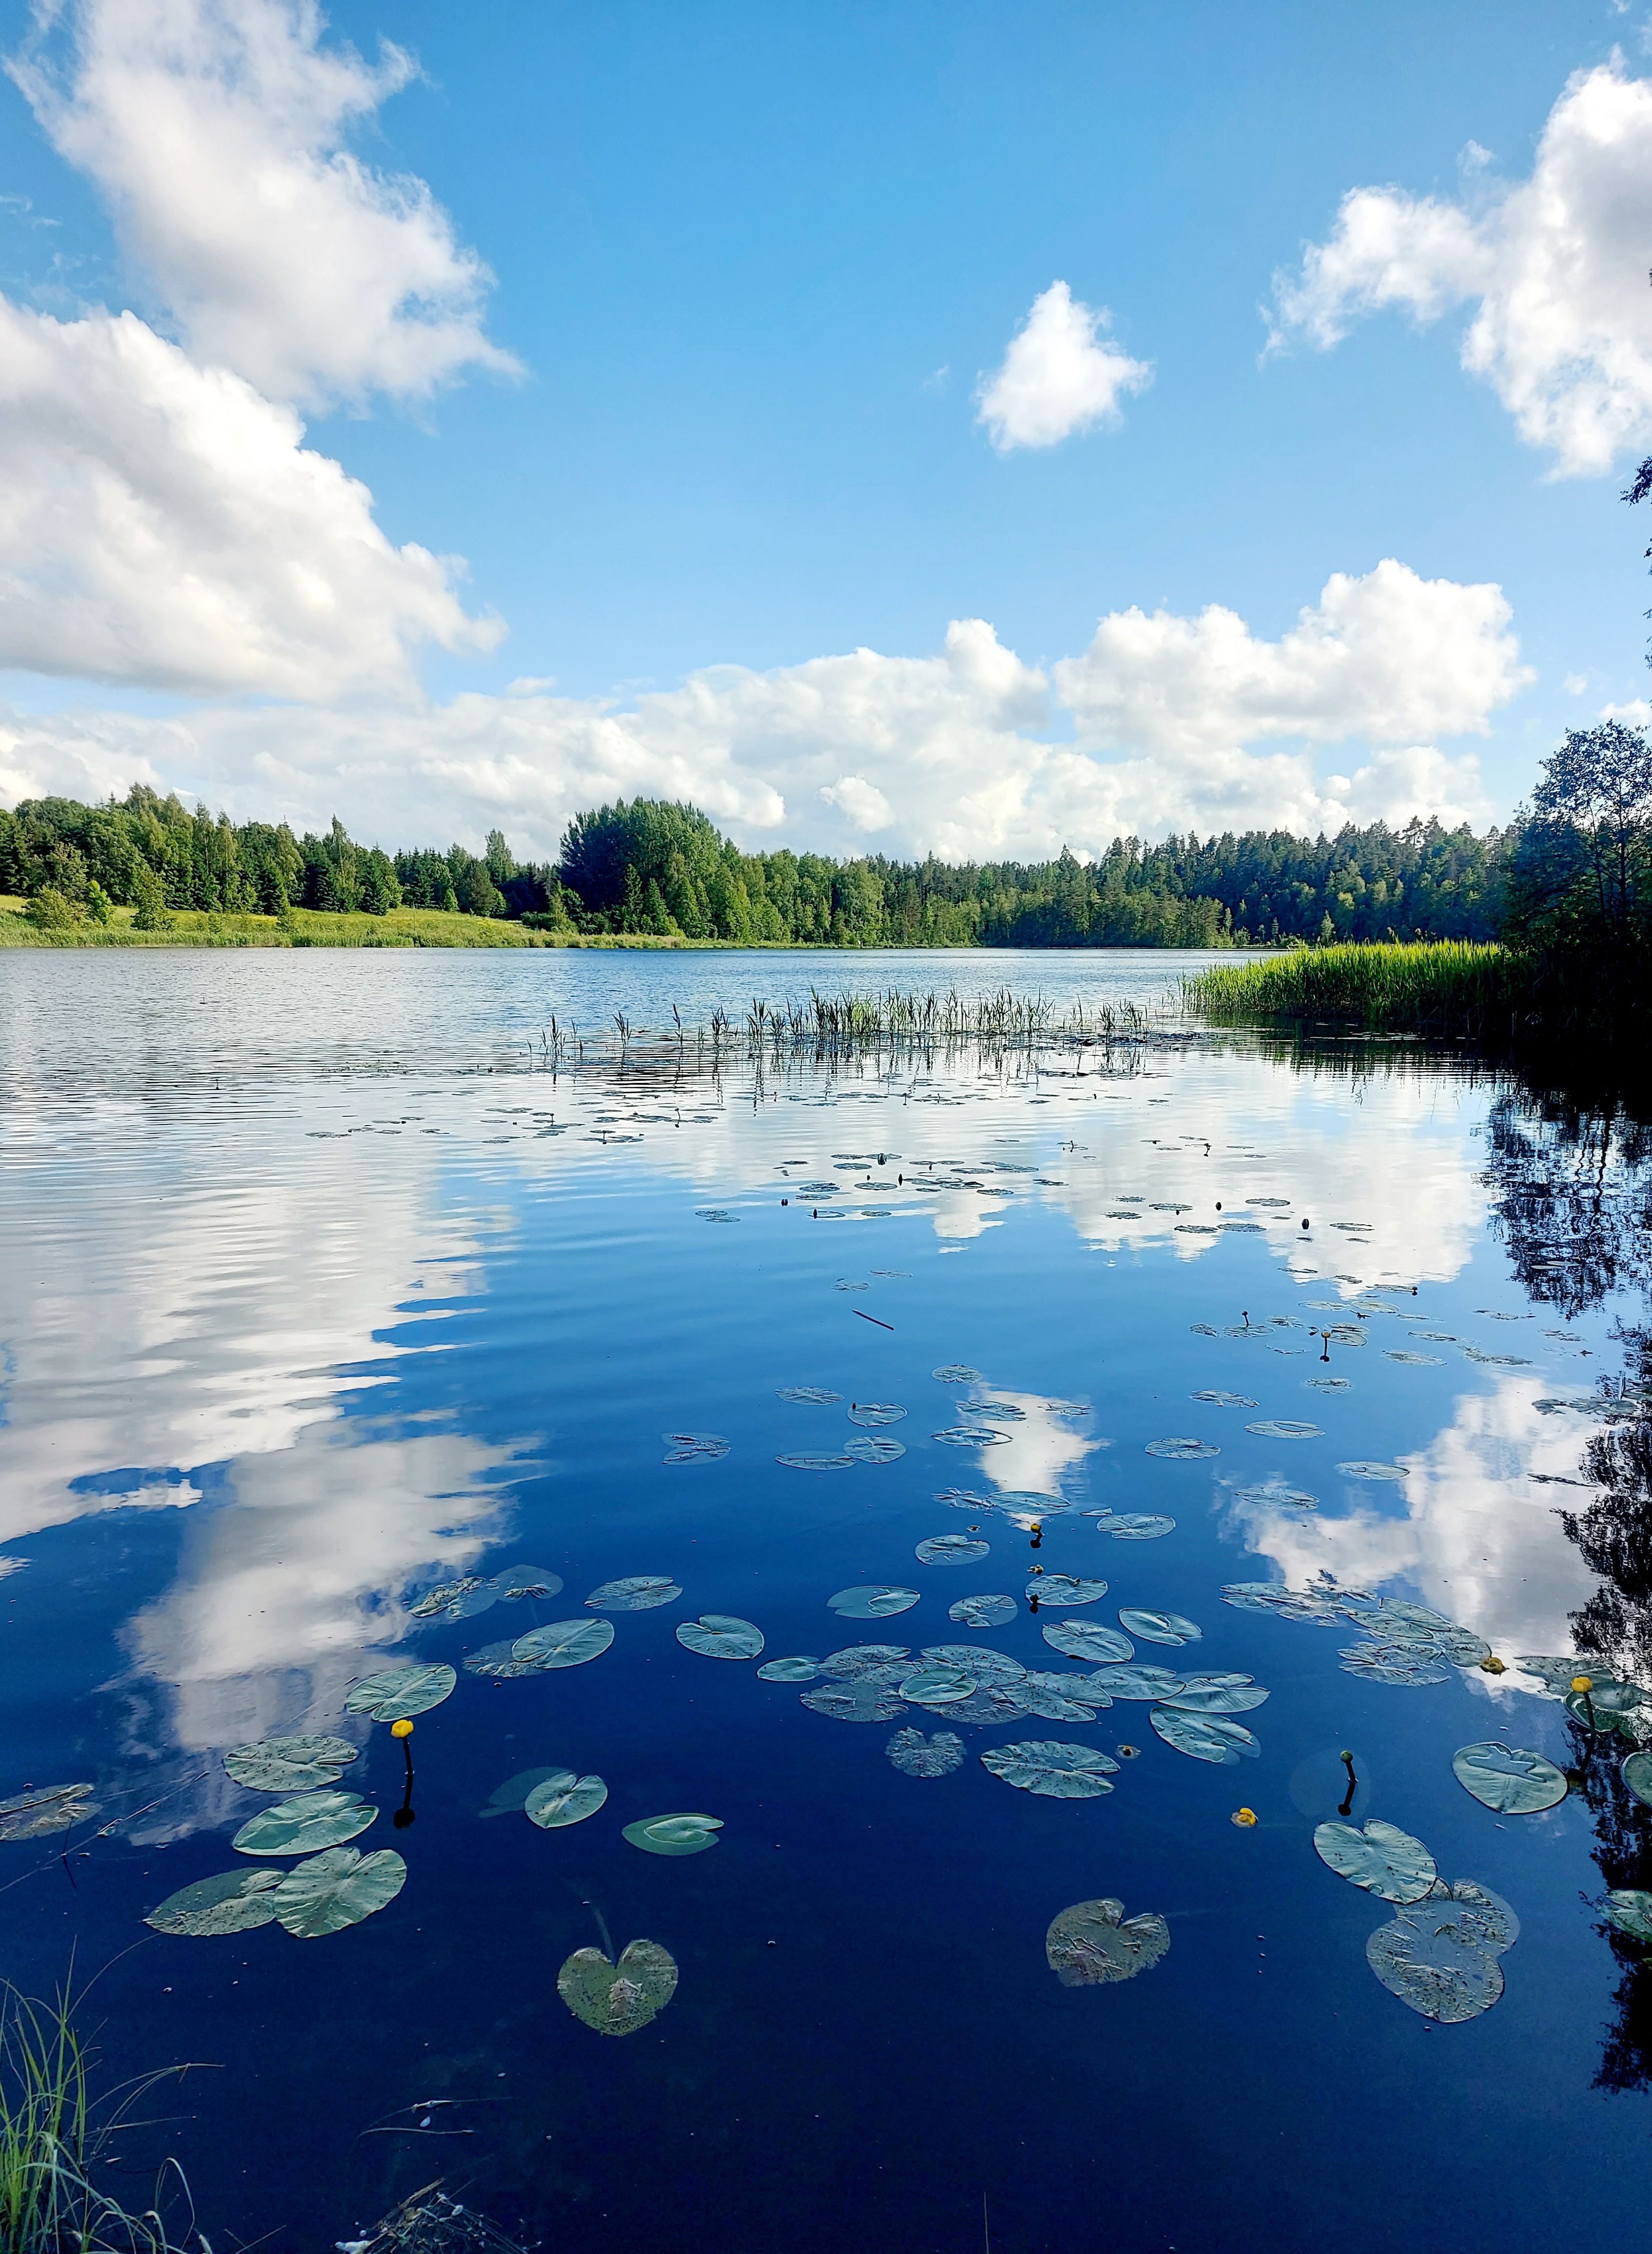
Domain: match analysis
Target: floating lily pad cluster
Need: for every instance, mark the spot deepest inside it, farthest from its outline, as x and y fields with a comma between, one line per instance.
x=542, y=1650
x=1440, y=1954
x=1405, y=1644
x=465, y=1598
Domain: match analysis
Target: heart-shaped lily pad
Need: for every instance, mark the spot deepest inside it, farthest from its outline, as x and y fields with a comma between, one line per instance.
x=1051, y=1769
x=1480, y=1916
x=970, y=1436
x=396, y=1694
x=1065, y=1589
x=674, y=1835
x=511, y=1797
x=937, y=1686
x=1181, y=1449
x=855, y=1702
x=815, y=1397
x=872, y=1413
x=979, y=1660
x=1433, y=1964
x=1204, y=1737
x=565, y=1643
x=233, y=1902
x=882, y=1662
x=1136, y=1525
x=983, y=1612
x=816, y=1459
x=1218, y=1694
x=1627, y=1907
x=876, y=1600
x=1148, y=1683
x=289, y=1764
x=617, y=1999
x=563, y=1798
x=299, y=1826
x=789, y=1671
x=915, y=1755
x=1094, y=1943
x=951, y=1550
x=875, y=1448
x=956, y=1373
x=513, y=1582
x=1401, y=1665
x=1508, y=1778
x=1159, y=1627
x=1363, y=1470
x=1381, y=1859
x=336, y=1889
x=499, y=1659
x=1286, y=1428
x=35, y=1815
x=720, y=1635
x=637, y=1593
x=695, y=1447
x=1091, y=1640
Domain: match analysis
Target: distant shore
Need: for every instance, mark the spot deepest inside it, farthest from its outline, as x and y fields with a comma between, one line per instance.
x=313, y=927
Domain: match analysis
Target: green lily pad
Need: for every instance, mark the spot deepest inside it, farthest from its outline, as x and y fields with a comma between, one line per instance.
x=872, y=1413
x=1286, y=1428
x=674, y=1835
x=1204, y=1737
x=617, y=1999
x=1094, y=1943
x=877, y=1600
x=289, y=1764
x=1065, y=1589
x=1401, y=1665
x=957, y=1373
x=1052, y=1698
x=1434, y=1967
x=1412, y=1359
x=789, y=1671
x=455, y=1600
x=563, y=1798
x=979, y=1660
x=1362, y=1470
x=516, y=1582
x=883, y=1663
x=1480, y=1916
x=396, y=1694
x=1159, y=1627
x=336, y=1889
x=1146, y=1683
x=951, y=1550
x=637, y=1593
x=936, y=1686
x=695, y=1447
x=1051, y=1769
x=970, y=1436
x=1508, y=1778
x=1219, y=1399
x=301, y=1825
x=233, y=1902
x=1323, y=1605
x=1182, y=1450
x=511, y=1797
x=855, y=1702
x=1627, y=1907
x=499, y=1659
x=989, y=1705
x=720, y=1635
x=565, y=1643
x=813, y=1396
x=915, y=1755
x=1219, y=1694
x=816, y=1459
x=876, y=1448
x=1380, y=1858
x=983, y=1612
x=1136, y=1525
x=35, y=1815
x=1088, y=1639
x=1637, y=1775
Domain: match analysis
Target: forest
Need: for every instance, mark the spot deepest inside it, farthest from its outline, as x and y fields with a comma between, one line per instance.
x=645, y=866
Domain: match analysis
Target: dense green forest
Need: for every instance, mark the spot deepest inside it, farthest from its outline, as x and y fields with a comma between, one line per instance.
x=645, y=866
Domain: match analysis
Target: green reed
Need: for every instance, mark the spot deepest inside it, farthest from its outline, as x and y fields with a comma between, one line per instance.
x=1437, y=987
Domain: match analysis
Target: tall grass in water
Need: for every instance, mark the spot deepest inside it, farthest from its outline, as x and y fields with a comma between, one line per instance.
x=836, y=1021
x=50, y=2139
x=1440, y=987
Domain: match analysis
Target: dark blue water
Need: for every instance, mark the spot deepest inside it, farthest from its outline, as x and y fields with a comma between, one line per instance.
x=319, y=1291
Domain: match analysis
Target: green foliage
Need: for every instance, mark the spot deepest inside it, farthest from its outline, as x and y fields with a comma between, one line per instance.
x=1441, y=987
x=51, y=910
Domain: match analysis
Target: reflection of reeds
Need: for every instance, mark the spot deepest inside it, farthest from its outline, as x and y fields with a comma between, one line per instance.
x=1439, y=986
x=848, y=1021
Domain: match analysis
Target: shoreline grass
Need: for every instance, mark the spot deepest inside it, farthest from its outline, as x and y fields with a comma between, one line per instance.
x=1438, y=988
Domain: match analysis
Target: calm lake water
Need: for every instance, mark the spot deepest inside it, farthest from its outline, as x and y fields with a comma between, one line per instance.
x=323, y=1289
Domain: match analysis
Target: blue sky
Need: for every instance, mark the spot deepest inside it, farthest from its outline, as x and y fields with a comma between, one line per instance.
x=754, y=269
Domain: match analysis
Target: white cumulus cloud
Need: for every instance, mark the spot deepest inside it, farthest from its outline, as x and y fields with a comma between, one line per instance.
x=1060, y=374
x=1555, y=266
x=216, y=129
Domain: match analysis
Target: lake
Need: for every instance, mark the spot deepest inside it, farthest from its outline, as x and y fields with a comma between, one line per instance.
x=332, y=1286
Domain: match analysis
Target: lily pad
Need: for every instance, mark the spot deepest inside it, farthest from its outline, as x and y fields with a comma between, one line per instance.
x=1205, y=1737
x=637, y=1593
x=1005, y=1411
x=234, y=1902
x=983, y=1612
x=1051, y=1769
x=499, y=1659
x=875, y=1412
x=789, y=1671
x=1183, y=1450
x=970, y=1436
x=513, y=1583
x=1409, y=1356
x=937, y=1686
x=720, y=1635
x=565, y=1798
x=1480, y=1916
x=1432, y=1966
x=1508, y=1778
x=301, y=1825
x=1322, y=1605
x=1218, y=1694
x=882, y=1663
x=695, y=1447
x=989, y=1707
x=1381, y=1859
x=396, y=1694
x=617, y=1999
x=875, y=1600
x=1065, y=1589
x=875, y=1449
x=860, y=1701
x=455, y=1600
x=816, y=1459
x=511, y=1797
x=1218, y=1399
x=1094, y=1943
x=565, y=1643
x=35, y=1815
x=1286, y=1428
x=986, y=1666
x=289, y=1764
x=1362, y=1470
x=1136, y=1526
x=1637, y=1775
x=1402, y=1666
x=915, y=1755
x=337, y=1888
x=815, y=1396
x=1052, y=1696
x=1159, y=1627
x=1139, y=1681
x=1627, y=1907
x=1090, y=1640
x=674, y=1835
x=957, y=1373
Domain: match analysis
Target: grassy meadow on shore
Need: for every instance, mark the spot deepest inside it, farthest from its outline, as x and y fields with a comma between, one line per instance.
x=315, y=928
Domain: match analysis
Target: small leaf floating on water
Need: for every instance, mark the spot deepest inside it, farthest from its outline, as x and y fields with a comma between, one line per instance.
x=1088, y=1639
x=1286, y=1428
x=874, y=1601
x=1415, y=1360
x=565, y=1643
x=617, y=1999
x=516, y=1582
x=1398, y=1665
x=979, y=1660
x=915, y=1755
x=1066, y=1589
x=1057, y=1696
x=1136, y=1526
x=301, y=1825
x=233, y=1902
x=563, y=1798
x=1051, y=1769
x=1327, y=1384
x=1218, y=1694
x=983, y=1612
x=872, y=1413
x=937, y=1686
x=815, y=1396
x=1204, y=1737
x=860, y=1701
x=1094, y=1943
x=816, y=1459
x=337, y=1888
x=289, y=1764
x=1362, y=1470
x=1637, y=1775
x=1627, y=1907
x=695, y=1447
x=509, y=1798
x=857, y=1659
x=1006, y=1411
x=1159, y=1627
x=637, y=1593
x=957, y=1373
x=393, y=1694
x=1508, y=1778
x=1218, y=1399
x=674, y=1835
x=720, y=1635
x=1272, y=1495
x=1322, y=1605
x=789, y=1671
x=1181, y=1449
x=875, y=1449
x=499, y=1659
x=951, y=1550
x=970, y=1436
x=1381, y=1859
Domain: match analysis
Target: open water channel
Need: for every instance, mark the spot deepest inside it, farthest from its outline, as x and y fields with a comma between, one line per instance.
x=348, y=1329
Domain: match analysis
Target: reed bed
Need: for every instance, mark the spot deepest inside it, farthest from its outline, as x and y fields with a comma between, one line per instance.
x=839, y=1021
x=1440, y=988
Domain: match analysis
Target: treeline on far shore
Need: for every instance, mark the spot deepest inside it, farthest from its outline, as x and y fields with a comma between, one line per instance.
x=646, y=867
